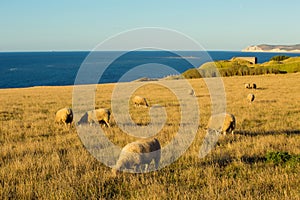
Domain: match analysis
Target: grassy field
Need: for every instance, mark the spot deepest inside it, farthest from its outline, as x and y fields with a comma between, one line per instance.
x=289, y=65
x=44, y=160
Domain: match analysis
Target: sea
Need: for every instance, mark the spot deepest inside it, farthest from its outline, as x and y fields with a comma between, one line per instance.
x=29, y=69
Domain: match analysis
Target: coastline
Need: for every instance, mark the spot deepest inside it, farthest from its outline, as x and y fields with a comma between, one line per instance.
x=147, y=81
x=21, y=70
x=273, y=48
x=271, y=51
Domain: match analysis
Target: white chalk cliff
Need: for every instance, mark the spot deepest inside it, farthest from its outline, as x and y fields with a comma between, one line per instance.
x=274, y=48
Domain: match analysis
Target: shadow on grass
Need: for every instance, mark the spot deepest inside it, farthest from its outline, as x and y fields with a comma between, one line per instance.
x=252, y=159
x=202, y=95
x=267, y=101
x=272, y=132
x=260, y=88
x=225, y=161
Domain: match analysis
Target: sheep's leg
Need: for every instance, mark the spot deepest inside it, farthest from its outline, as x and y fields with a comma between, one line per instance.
x=138, y=168
x=142, y=168
x=157, y=159
x=146, y=167
x=67, y=126
x=107, y=124
x=230, y=130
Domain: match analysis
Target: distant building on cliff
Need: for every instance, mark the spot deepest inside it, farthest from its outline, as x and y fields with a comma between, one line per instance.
x=252, y=60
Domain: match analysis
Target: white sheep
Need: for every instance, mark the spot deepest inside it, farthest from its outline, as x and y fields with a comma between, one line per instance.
x=228, y=125
x=250, y=97
x=93, y=116
x=139, y=154
x=140, y=101
x=64, y=115
x=247, y=86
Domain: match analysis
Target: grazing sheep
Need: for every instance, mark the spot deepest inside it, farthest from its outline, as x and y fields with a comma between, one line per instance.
x=64, y=115
x=140, y=101
x=250, y=97
x=253, y=85
x=93, y=116
x=191, y=92
x=247, y=86
x=139, y=154
x=215, y=123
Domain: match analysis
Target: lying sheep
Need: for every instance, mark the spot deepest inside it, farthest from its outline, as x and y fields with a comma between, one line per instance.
x=247, y=86
x=253, y=85
x=191, y=92
x=250, y=97
x=64, y=115
x=140, y=101
x=93, y=116
x=215, y=123
x=139, y=154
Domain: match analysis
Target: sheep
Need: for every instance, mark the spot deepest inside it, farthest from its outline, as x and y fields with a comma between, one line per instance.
x=215, y=123
x=247, y=86
x=139, y=154
x=140, y=101
x=98, y=115
x=64, y=115
x=250, y=97
x=191, y=92
x=253, y=85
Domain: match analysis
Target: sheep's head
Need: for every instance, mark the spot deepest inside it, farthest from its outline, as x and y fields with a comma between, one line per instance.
x=115, y=171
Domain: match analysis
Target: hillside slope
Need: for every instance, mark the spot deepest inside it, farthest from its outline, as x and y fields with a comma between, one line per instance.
x=239, y=67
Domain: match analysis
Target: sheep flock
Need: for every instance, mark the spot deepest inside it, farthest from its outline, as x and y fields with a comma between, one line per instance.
x=138, y=155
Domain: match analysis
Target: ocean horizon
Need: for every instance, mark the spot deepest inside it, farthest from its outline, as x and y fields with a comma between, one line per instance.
x=59, y=68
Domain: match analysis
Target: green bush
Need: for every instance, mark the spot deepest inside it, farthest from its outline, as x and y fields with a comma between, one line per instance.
x=285, y=158
x=279, y=58
x=274, y=71
x=192, y=73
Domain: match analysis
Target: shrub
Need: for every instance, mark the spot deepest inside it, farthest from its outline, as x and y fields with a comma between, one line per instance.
x=191, y=73
x=279, y=157
x=279, y=58
x=274, y=71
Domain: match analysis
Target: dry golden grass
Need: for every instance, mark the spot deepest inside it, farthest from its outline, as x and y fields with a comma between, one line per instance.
x=41, y=159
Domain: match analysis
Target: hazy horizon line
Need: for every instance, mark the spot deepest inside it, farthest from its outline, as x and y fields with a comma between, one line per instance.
x=86, y=50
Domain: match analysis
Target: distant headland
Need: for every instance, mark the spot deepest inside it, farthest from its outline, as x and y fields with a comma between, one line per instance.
x=273, y=48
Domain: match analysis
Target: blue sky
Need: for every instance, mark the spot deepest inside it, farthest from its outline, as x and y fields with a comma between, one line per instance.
x=33, y=25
